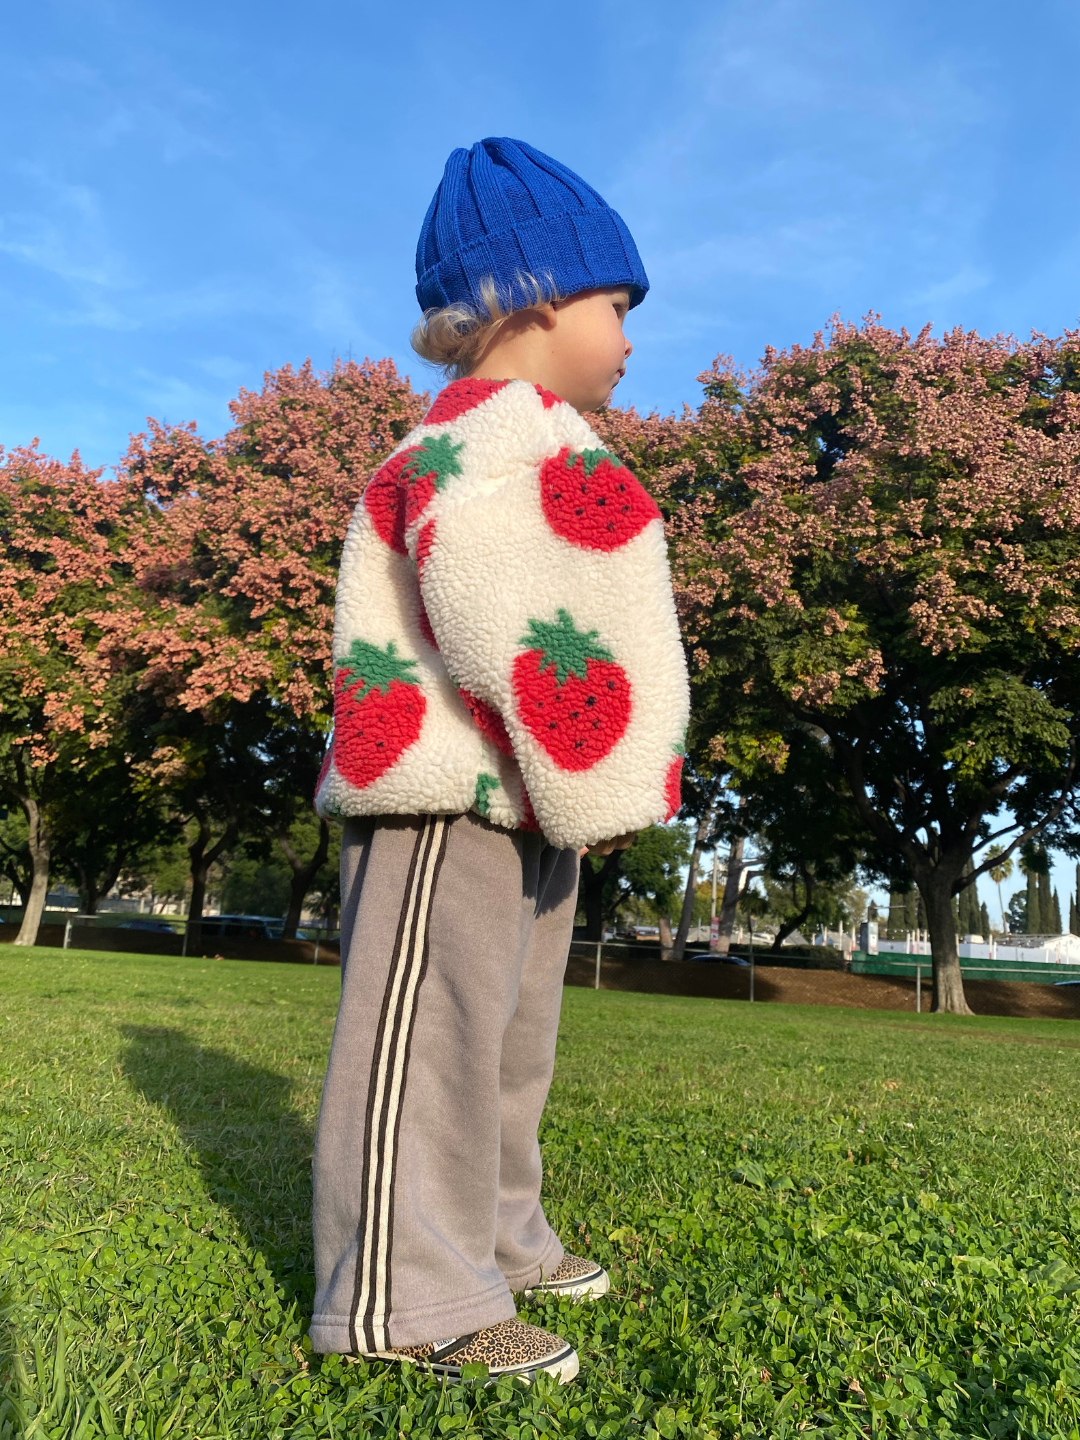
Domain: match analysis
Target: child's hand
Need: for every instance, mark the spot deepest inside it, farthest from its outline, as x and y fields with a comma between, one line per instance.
x=605, y=847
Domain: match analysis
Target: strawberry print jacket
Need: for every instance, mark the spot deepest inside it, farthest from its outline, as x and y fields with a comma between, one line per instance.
x=505, y=638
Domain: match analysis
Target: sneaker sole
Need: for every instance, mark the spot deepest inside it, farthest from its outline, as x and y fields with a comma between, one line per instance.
x=590, y=1288
x=563, y=1364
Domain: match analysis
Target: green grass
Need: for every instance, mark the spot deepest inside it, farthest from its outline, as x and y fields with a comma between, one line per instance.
x=818, y=1222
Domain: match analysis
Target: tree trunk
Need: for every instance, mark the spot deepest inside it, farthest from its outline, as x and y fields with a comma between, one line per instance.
x=731, y=895
x=665, y=937
x=21, y=878
x=303, y=873
x=949, y=998
x=678, y=950
x=88, y=891
x=796, y=923
x=202, y=856
x=38, y=838
x=593, y=886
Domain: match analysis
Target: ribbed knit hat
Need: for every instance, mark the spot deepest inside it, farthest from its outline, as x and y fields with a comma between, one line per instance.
x=505, y=210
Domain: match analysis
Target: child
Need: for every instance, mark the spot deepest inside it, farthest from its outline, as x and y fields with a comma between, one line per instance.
x=509, y=689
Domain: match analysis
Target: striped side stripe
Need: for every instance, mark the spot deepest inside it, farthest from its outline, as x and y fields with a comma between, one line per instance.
x=386, y=1089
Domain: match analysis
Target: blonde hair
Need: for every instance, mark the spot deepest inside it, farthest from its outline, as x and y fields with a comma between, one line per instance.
x=454, y=336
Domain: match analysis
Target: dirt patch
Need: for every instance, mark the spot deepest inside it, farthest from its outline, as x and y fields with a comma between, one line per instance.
x=1019, y=998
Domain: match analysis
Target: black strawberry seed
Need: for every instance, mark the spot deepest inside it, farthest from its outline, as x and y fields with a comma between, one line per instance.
x=580, y=510
x=591, y=700
x=601, y=500
x=574, y=714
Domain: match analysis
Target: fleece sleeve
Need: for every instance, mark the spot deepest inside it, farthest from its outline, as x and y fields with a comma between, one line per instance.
x=543, y=571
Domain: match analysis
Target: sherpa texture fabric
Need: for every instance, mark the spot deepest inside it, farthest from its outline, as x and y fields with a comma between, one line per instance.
x=505, y=638
x=504, y=210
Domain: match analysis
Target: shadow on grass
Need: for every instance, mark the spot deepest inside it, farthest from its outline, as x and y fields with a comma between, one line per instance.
x=253, y=1149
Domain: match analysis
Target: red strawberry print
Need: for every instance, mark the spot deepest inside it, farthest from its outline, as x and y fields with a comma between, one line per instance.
x=378, y=711
x=427, y=470
x=673, y=788
x=488, y=721
x=384, y=501
x=571, y=695
x=424, y=542
x=592, y=500
x=460, y=397
x=402, y=489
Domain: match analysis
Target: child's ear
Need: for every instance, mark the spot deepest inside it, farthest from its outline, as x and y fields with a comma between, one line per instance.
x=545, y=314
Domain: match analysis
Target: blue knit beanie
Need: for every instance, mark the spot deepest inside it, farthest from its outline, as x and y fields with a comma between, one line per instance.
x=503, y=210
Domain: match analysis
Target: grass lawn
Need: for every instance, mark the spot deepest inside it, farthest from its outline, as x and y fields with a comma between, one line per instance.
x=818, y=1222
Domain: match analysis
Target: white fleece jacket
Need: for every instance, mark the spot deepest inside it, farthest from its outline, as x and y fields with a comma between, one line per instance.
x=505, y=637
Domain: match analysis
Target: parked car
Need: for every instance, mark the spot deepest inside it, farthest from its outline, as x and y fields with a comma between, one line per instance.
x=241, y=927
x=149, y=922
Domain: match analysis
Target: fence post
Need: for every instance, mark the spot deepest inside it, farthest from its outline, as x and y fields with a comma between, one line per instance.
x=918, y=989
x=315, y=956
x=751, y=961
x=187, y=926
x=67, y=934
x=599, y=947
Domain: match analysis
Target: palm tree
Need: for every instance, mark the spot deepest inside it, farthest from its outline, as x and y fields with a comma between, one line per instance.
x=997, y=874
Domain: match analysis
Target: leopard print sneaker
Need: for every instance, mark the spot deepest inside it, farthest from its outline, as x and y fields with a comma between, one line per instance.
x=573, y=1277
x=509, y=1348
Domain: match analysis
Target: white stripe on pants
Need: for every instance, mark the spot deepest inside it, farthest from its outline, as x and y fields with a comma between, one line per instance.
x=427, y=1167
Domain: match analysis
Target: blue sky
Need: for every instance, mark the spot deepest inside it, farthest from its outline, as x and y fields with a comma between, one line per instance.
x=192, y=194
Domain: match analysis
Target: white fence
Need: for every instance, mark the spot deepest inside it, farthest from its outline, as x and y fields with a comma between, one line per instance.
x=1029, y=949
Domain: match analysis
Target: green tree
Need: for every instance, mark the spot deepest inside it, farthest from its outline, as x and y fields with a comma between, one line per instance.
x=880, y=549
x=104, y=823
x=1032, y=915
x=1001, y=868
x=68, y=604
x=652, y=871
x=808, y=837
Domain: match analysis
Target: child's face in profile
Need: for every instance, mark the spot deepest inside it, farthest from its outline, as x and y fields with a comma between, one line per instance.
x=588, y=351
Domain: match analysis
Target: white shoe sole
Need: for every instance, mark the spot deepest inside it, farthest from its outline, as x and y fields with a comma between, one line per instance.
x=564, y=1365
x=588, y=1289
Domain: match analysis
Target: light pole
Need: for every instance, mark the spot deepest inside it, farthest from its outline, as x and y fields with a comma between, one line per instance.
x=750, y=923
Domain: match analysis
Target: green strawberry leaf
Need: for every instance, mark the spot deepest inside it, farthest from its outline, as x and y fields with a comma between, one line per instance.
x=564, y=646
x=436, y=456
x=484, y=785
x=590, y=459
x=374, y=669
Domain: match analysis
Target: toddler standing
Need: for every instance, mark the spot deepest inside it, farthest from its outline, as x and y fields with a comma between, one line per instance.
x=509, y=688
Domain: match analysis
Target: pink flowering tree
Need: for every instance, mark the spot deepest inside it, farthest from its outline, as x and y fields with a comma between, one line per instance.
x=67, y=606
x=239, y=570
x=878, y=556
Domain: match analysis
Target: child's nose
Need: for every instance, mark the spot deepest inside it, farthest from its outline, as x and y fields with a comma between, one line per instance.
x=627, y=351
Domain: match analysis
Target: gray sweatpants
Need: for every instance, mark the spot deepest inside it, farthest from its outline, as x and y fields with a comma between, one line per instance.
x=454, y=936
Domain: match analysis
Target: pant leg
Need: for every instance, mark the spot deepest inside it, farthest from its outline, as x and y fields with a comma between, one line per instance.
x=526, y=1246
x=408, y=1147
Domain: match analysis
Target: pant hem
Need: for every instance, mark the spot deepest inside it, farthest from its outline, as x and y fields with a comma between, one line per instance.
x=330, y=1334
x=552, y=1255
